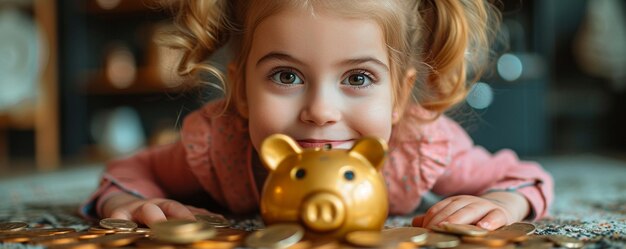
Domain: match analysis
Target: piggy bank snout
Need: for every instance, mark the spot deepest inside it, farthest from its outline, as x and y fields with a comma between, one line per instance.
x=323, y=212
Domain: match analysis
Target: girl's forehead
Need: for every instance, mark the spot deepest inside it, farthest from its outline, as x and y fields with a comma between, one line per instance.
x=322, y=37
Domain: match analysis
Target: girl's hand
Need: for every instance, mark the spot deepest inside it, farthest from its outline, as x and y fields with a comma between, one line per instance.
x=147, y=211
x=490, y=211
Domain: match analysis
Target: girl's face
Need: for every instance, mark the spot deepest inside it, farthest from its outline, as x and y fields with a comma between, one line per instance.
x=321, y=79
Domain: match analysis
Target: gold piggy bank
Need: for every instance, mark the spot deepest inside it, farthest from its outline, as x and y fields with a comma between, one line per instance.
x=329, y=191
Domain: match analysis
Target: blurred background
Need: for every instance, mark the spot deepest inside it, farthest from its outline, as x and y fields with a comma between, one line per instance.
x=82, y=81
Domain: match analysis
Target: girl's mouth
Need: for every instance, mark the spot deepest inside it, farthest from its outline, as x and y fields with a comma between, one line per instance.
x=318, y=143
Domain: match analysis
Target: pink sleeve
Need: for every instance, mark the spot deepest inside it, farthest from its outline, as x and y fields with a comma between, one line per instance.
x=157, y=172
x=475, y=171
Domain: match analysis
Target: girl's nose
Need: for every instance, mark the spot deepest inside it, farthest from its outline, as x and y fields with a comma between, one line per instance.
x=320, y=109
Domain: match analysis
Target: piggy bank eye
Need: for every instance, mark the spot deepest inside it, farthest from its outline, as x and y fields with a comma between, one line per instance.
x=300, y=173
x=349, y=175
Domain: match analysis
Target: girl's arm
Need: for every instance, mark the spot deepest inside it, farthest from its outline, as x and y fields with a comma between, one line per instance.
x=143, y=181
x=485, y=185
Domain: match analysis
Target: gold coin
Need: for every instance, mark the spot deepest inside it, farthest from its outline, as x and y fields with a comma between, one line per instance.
x=152, y=244
x=16, y=239
x=90, y=235
x=276, y=236
x=489, y=240
x=509, y=235
x=115, y=240
x=118, y=224
x=214, y=220
x=416, y=235
x=463, y=229
x=76, y=245
x=56, y=238
x=142, y=230
x=521, y=227
x=186, y=238
x=12, y=226
x=101, y=230
x=441, y=240
x=59, y=241
x=229, y=234
x=565, y=241
x=176, y=227
x=439, y=229
x=365, y=238
x=536, y=245
x=211, y=244
x=182, y=231
x=47, y=231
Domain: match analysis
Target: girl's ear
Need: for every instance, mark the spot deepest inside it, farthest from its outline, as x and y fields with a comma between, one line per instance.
x=404, y=93
x=276, y=148
x=238, y=91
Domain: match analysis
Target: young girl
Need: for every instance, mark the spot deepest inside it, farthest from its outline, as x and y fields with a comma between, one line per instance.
x=329, y=72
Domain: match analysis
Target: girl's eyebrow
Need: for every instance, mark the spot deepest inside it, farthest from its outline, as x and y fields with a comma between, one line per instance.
x=289, y=58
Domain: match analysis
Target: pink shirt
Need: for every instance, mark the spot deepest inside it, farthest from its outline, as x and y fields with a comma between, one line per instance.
x=215, y=155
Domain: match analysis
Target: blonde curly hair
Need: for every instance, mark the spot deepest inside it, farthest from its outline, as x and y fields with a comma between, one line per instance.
x=444, y=40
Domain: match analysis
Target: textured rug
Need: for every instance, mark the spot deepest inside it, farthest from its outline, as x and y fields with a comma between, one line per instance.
x=590, y=200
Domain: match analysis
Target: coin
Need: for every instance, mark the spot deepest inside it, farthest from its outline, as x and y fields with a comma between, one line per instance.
x=416, y=235
x=142, y=230
x=115, y=240
x=536, y=245
x=276, y=236
x=176, y=227
x=59, y=241
x=212, y=244
x=152, y=244
x=471, y=246
x=489, y=240
x=56, y=238
x=90, y=235
x=182, y=231
x=229, y=234
x=118, y=224
x=441, y=240
x=463, y=229
x=565, y=241
x=15, y=239
x=214, y=220
x=101, y=230
x=365, y=238
x=62, y=230
x=508, y=235
x=76, y=245
x=522, y=227
x=12, y=226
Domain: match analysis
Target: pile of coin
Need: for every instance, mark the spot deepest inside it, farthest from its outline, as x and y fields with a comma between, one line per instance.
x=517, y=235
x=213, y=231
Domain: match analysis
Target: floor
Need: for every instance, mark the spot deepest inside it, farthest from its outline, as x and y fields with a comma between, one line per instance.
x=590, y=201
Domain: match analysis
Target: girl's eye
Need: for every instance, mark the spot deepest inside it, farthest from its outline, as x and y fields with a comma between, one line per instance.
x=359, y=79
x=286, y=77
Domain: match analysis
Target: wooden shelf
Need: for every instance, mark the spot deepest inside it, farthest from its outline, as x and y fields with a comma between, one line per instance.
x=24, y=121
x=146, y=82
x=18, y=3
x=123, y=7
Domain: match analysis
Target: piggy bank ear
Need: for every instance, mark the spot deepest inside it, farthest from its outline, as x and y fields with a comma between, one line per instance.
x=276, y=148
x=372, y=149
